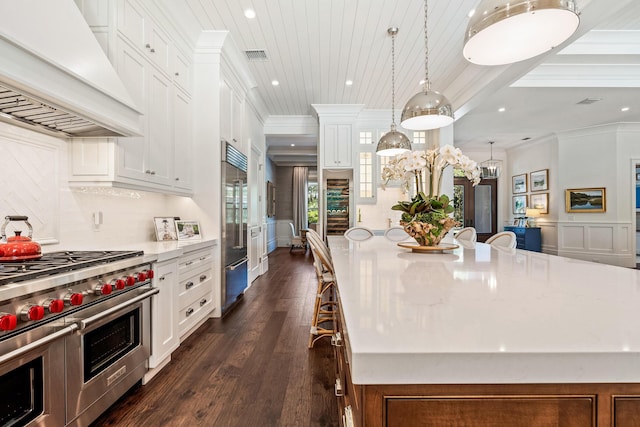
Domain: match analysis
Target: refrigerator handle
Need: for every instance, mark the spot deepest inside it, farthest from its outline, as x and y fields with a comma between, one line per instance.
x=240, y=218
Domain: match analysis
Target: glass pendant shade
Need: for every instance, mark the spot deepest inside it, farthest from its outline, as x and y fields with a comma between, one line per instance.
x=393, y=143
x=507, y=31
x=427, y=110
x=490, y=169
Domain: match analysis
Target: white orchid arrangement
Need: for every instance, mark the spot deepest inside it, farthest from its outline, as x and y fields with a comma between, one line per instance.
x=413, y=165
x=426, y=216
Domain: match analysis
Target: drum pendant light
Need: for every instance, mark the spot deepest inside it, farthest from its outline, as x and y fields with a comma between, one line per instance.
x=393, y=142
x=506, y=31
x=428, y=109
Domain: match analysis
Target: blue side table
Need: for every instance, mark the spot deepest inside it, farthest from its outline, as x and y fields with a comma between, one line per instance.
x=528, y=238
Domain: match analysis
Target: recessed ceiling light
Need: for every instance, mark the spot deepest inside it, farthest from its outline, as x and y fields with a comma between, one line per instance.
x=349, y=82
x=275, y=82
x=421, y=82
x=624, y=109
x=249, y=13
x=502, y=109
x=293, y=145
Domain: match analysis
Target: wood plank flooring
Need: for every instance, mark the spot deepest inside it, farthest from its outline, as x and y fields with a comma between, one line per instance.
x=252, y=368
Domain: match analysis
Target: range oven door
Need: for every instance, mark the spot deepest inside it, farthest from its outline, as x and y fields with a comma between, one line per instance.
x=32, y=377
x=107, y=355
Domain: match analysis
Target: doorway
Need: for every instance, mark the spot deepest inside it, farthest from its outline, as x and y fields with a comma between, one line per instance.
x=476, y=206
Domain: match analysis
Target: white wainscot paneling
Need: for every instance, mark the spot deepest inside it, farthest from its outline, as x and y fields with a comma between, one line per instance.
x=549, y=231
x=609, y=243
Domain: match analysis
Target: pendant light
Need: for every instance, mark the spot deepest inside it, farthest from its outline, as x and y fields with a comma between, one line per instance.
x=393, y=142
x=428, y=109
x=506, y=31
x=490, y=169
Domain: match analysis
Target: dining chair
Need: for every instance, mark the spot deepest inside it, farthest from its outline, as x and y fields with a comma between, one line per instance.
x=358, y=233
x=296, y=241
x=504, y=238
x=396, y=234
x=467, y=234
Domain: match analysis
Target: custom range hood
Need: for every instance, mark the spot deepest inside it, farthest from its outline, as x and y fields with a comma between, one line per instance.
x=55, y=77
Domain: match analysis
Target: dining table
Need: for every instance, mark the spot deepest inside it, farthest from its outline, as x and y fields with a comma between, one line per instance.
x=474, y=330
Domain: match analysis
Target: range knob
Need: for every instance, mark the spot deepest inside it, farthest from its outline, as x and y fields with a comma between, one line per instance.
x=32, y=312
x=8, y=322
x=103, y=289
x=53, y=305
x=130, y=280
x=141, y=276
x=118, y=284
x=150, y=274
x=73, y=299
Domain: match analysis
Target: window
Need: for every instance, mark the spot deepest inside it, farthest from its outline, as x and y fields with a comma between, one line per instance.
x=419, y=137
x=312, y=202
x=366, y=138
x=366, y=175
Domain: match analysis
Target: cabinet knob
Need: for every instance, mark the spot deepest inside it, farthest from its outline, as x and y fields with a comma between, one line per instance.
x=203, y=277
x=188, y=285
x=147, y=45
x=152, y=50
x=177, y=178
x=203, y=302
x=177, y=74
x=189, y=312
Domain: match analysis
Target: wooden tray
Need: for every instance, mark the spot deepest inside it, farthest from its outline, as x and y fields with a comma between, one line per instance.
x=428, y=249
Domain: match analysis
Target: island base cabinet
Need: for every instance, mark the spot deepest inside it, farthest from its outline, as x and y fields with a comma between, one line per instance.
x=490, y=405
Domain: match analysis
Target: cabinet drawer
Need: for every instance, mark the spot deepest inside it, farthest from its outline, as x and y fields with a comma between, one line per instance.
x=194, y=287
x=190, y=315
x=193, y=260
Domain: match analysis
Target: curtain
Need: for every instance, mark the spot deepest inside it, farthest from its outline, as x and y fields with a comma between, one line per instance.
x=300, y=220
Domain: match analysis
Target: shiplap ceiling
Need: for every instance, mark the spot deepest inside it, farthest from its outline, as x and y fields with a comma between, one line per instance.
x=314, y=46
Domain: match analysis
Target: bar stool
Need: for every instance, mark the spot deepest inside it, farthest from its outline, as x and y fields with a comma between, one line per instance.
x=324, y=305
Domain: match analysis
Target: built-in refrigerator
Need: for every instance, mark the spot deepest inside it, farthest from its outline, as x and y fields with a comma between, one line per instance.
x=234, y=225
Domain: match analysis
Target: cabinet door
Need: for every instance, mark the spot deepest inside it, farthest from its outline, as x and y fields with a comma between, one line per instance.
x=236, y=118
x=131, y=22
x=158, y=46
x=181, y=72
x=164, y=330
x=182, y=140
x=225, y=111
x=337, y=145
x=160, y=129
x=133, y=70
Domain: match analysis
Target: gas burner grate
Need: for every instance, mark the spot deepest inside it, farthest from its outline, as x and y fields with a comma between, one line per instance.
x=58, y=262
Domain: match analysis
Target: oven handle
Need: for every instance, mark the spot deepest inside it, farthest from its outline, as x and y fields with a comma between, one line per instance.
x=84, y=324
x=46, y=340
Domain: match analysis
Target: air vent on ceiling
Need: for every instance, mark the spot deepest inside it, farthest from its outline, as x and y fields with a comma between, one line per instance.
x=256, y=55
x=587, y=101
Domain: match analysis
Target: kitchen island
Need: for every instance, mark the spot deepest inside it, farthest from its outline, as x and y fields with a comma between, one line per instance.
x=484, y=336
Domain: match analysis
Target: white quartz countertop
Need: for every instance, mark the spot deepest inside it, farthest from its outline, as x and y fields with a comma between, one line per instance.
x=157, y=251
x=478, y=314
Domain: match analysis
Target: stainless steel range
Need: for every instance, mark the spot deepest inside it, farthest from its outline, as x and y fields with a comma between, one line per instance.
x=74, y=334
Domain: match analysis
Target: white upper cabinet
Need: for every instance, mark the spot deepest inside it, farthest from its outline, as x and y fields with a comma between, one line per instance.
x=157, y=76
x=337, y=145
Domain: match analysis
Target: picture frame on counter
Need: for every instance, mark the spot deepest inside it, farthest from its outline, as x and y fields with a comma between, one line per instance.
x=165, y=228
x=540, y=201
x=519, y=183
x=586, y=200
x=540, y=180
x=519, y=204
x=188, y=230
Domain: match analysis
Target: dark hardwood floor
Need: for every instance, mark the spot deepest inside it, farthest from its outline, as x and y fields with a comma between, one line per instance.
x=251, y=368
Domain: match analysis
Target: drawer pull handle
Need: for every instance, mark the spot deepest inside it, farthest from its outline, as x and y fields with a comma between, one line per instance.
x=336, y=340
x=188, y=263
x=188, y=285
x=203, y=302
x=338, y=388
x=189, y=312
x=203, y=277
x=162, y=278
x=203, y=258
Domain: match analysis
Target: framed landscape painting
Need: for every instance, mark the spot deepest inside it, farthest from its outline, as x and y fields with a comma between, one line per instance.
x=519, y=204
x=519, y=183
x=540, y=202
x=540, y=180
x=188, y=230
x=586, y=200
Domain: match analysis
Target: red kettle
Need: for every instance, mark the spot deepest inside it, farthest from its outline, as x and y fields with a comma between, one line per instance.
x=18, y=248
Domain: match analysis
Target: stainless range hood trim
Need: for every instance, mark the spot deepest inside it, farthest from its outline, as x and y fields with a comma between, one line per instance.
x=22, y=69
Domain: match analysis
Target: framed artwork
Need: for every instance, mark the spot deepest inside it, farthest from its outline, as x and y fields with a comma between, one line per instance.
x=188, y=230
x=271, y=199
x=587, y=200
x=165, y=228
x=540, y=201
x=540, y=180
x=519, y=204
x=638, y=177
x=519, y=183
